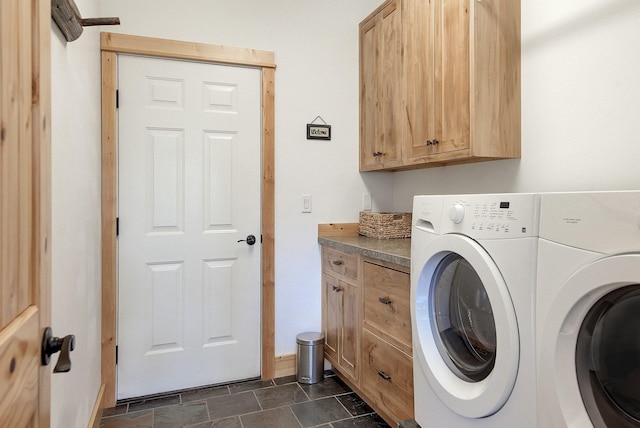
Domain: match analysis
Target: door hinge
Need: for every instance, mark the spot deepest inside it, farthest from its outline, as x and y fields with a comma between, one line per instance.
x=117, y=226
x=261, y=239
x=117, y=98
x=116, y=354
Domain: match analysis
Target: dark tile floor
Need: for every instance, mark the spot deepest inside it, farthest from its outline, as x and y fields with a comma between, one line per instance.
x=278, y=403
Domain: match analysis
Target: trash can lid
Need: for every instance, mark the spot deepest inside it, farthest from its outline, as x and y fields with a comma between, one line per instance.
x=310, y=338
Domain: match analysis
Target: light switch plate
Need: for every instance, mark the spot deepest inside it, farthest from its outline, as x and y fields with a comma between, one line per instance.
x=366, y=202
x=306, y=203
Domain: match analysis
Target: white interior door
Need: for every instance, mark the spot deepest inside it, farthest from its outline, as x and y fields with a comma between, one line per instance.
x=189, y=190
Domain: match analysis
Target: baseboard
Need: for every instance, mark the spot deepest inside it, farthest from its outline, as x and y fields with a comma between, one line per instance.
x=96, y=413
x=285, y=365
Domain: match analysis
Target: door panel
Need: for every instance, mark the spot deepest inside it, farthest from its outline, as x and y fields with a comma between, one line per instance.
x=453, y=76
x=189, y=191
x=24, y=211
x=332, y=316
x=419, y=40
x=370, y=93
x=392, y=119
x=349, y=341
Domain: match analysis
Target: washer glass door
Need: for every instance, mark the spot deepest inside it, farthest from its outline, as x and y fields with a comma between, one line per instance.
x=463, y=317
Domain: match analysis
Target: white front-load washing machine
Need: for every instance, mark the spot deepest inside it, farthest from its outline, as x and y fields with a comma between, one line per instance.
x=588, y=310
x=473, y=265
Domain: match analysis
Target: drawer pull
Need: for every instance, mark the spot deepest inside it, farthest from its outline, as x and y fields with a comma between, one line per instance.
x=384, y=300
x=384, y=376
x=338, y=262
x=337, y=289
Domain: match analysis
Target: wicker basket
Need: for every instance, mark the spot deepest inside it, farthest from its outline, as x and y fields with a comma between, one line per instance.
x=385, y=225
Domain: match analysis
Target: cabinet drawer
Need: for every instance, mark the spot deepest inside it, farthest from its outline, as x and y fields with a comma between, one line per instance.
x=387, y=376
x=340, y=263
x=386, y=302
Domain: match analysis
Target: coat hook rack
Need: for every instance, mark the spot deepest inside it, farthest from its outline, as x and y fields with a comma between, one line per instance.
x=67, y=17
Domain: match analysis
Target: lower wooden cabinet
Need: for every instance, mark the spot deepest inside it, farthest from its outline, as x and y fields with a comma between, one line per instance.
x=367, y=326
x=341, y=325
x=387, y=377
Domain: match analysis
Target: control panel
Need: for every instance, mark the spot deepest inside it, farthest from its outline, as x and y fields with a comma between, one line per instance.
x=492, y=216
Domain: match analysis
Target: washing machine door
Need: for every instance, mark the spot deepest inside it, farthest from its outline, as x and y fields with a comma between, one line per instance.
x=591, y=346
x=465, y=329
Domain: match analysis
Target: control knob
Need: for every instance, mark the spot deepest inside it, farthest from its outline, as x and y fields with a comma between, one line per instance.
x=456, y=213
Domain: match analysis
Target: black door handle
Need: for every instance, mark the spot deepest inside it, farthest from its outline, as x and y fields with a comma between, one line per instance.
x=250, y=240
x=51, y=345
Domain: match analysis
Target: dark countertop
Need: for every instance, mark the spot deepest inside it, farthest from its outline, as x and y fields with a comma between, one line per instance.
x=396, y=251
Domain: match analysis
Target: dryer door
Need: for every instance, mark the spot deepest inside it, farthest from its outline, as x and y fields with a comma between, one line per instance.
x=466, y=333
x=608, y=359
x=590, y=349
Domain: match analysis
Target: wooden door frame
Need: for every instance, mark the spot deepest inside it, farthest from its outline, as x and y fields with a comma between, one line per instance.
x=112, y=44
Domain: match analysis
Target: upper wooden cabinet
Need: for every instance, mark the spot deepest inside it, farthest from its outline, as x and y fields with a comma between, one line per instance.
x=381, y=64
x=459, y=83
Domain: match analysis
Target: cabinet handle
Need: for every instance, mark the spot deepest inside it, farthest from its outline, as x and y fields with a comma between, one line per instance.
x=429, y=142
x=337, y=289
x=435, y=142
x=337, y=262
x=384, y=376
x=384, y=300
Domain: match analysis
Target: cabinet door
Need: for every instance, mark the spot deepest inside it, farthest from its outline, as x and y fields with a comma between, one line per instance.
x=437, y=70
x=350, y=337
x=369, y=94
x=392, y=83
x=381, y=85
x=419, y=33
x=331, y=316
x=452, y=84
x=341, y=324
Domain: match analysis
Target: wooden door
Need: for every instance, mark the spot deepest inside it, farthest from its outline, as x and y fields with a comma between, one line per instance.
x=24, y=211
x=341, y=323
x=392, y=116
x=452, y=90
x=189, y=195
x=331, y=316
x=381, y=83
x=369, y=94
x=419, y=33
x=349, y=328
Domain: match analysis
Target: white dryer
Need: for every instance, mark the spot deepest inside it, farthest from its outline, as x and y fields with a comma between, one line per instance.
x=588, y=310
x=473, y=264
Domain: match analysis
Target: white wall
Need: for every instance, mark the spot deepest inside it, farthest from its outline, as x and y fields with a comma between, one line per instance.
x=580, y=117
x=580, y=107
x=76, y=253
x=316, y=52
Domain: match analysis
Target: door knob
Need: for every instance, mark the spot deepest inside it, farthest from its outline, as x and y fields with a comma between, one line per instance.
x=51, y=345
x=250, y=240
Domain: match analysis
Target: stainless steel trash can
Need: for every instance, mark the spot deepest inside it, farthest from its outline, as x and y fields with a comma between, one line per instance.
x=310, y=357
